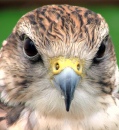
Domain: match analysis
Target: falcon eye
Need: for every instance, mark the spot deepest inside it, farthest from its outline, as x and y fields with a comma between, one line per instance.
x=29, y=47
x=30, y=50
x=101, y=51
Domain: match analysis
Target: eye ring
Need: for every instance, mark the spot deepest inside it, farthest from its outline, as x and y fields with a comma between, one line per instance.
x=33, y=58
x=101, y=51
x=29, y=47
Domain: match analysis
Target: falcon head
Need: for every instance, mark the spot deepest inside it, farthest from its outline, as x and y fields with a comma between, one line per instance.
x=58, y=58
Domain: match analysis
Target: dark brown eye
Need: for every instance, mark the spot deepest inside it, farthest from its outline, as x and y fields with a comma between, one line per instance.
x=29, y=47
x=101, y=51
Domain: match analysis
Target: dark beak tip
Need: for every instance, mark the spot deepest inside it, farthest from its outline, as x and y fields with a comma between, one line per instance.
x=67, y=81
x=67, y=104
x=67, y=109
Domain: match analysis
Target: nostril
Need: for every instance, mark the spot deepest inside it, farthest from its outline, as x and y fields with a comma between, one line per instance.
x=78, y=66
x=57, y=66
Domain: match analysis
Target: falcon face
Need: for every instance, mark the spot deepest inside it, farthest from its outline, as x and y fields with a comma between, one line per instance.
x=58, y=71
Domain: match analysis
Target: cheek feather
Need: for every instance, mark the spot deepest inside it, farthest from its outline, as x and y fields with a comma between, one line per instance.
x=2, y=77
x=4, y=95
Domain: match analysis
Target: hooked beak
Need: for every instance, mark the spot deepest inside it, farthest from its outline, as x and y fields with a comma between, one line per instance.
x=66, y=73
x=67, y=80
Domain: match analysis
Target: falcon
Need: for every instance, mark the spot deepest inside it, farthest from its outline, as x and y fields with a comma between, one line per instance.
x=58, y=71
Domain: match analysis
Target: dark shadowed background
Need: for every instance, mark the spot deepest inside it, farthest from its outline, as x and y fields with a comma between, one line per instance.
x=12, y=10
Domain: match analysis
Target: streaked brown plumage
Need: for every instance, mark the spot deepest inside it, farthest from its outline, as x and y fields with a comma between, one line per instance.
x=58, y=71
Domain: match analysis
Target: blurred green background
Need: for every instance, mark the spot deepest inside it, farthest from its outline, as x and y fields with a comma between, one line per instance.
x=10, y=16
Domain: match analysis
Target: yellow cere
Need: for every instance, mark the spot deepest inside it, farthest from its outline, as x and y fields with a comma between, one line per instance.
x=60, y=63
